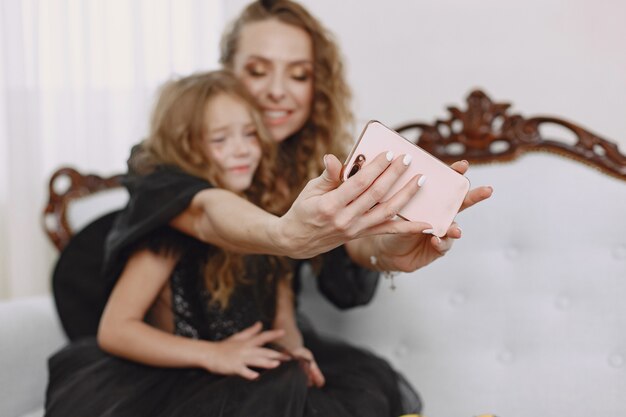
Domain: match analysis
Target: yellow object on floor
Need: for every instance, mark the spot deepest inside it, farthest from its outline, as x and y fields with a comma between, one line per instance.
x=418, y=415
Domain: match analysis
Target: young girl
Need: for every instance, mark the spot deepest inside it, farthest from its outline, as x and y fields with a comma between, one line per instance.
x=179, y=303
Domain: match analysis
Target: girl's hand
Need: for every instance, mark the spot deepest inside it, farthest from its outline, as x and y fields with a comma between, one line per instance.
x=316, y=378
x=328, y=213
x=235, y=355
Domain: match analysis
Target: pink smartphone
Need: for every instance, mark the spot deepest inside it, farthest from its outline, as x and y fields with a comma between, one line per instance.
x=441, y=196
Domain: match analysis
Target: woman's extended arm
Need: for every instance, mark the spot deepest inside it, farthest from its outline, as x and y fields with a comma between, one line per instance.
x=123, y=332
x=326, y=214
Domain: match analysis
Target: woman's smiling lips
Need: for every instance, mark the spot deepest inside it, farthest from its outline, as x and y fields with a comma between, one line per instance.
x=276, y=117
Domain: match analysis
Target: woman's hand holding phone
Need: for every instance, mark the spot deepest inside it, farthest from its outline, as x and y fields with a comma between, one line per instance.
x=329, y=213
x=410, y=251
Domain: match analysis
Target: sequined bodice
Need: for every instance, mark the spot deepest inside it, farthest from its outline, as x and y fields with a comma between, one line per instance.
x=197, y=317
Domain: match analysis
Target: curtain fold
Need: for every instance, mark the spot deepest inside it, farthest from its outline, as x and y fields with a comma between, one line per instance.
x=77, y=81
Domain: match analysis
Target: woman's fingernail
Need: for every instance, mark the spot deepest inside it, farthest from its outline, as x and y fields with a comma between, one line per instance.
x=407, y=159
x=465, y=161
x=421, y=180
x=324, y=160
x=428, y=231
x=460, y=230
x=389, y=156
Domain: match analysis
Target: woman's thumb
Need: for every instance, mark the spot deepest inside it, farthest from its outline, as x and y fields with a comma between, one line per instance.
x=332, y=172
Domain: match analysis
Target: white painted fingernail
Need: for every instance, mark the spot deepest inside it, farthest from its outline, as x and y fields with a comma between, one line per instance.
x=428, y=231
x=421, y=180
x=438, y=239
x=389, y=156
x=407, y=159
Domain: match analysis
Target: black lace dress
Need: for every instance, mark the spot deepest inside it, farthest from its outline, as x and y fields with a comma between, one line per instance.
x=85, y=381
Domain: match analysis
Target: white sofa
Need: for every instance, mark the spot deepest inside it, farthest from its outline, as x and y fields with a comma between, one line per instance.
x=525, y=317
x=29, y=333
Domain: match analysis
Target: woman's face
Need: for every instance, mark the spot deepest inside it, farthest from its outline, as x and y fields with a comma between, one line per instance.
x=275, y=62
x=231, y=143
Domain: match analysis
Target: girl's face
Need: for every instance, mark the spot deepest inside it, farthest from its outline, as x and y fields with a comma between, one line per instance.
x=275, y=62
x=231, y=143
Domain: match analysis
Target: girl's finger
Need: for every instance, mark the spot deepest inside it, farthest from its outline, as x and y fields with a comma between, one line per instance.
x=267, y=336
x=248, y=373
x=262, y=362
x=316, y=375
x=248, y=332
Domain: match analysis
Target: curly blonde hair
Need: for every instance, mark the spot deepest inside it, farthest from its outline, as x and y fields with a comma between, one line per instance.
x=328, y=128
x=177, y=130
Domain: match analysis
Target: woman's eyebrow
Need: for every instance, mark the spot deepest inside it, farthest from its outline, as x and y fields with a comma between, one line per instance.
x=304, y=61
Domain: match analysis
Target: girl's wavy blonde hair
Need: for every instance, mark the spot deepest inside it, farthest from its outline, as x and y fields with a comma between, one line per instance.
x=177, y=130
x=328, y=128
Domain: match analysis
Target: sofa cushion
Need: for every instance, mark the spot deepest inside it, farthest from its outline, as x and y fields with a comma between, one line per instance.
x=30, y=333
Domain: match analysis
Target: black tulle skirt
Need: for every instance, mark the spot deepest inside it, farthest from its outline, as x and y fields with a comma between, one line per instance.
x=86, y=382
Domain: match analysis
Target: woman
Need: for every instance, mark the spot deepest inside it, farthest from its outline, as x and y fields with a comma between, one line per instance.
x=292, y=66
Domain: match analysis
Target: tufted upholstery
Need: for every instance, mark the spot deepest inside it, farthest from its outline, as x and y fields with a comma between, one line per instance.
x=526, y=315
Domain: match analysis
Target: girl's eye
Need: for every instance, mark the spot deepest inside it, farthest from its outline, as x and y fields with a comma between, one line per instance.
x=251, y=134
x=217, y=140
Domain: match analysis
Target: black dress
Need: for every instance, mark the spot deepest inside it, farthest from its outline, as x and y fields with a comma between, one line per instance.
x=84, y=381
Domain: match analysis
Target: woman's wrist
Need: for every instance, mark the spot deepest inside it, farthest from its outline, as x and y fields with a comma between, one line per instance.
x=367, y=253
x=275, y=232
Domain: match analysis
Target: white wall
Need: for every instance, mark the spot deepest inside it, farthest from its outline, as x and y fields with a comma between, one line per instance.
x=409, y=59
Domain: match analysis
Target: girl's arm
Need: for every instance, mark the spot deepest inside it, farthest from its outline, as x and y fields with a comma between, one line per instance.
x=123, y=332
x=292, y=340
x=286, y=317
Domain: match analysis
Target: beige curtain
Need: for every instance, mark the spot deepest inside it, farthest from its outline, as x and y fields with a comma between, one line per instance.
x=77, y=79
